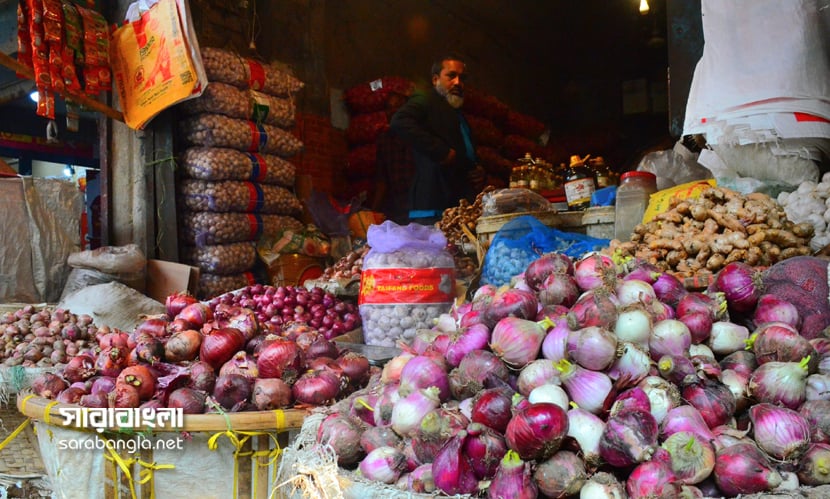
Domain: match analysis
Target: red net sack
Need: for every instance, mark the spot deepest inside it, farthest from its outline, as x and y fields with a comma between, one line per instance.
x=478, y=103
x=371, y=96
x=366, y=128
x=361, y=160
x=485, y=132
x=524, y=125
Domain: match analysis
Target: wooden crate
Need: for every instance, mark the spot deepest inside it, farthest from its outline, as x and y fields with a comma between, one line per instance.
x=218, y=455
x=595, y=222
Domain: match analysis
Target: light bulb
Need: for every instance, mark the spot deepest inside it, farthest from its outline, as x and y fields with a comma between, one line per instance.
x=34, y=96
x=644, y=7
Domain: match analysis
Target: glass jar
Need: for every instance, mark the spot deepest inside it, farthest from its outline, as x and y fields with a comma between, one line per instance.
x=633, y=195
x=579, y=184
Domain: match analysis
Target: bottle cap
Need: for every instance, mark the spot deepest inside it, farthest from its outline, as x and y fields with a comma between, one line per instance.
x=638, y=174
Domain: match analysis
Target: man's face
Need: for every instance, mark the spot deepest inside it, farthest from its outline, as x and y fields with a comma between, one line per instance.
x=450, y=82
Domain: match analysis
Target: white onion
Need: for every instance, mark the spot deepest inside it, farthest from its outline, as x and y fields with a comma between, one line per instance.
x=634, y=291
x=727, y=337
x=663, y=395
x=549, y=393
x=586, y=429
x=634, y=326
x=700, y=350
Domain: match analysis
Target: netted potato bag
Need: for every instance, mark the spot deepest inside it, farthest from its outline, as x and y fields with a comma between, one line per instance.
x=216, y=130
x=200, y=228
x=212, y=285
x=222, y=98
x=229, y=67
x=230, y=195
x=222, y=259
x=217, y=163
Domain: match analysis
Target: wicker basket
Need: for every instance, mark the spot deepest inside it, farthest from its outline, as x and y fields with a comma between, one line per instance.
x=220, y=455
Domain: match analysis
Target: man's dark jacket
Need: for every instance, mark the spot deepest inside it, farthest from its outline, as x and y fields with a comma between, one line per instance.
x=431, y=126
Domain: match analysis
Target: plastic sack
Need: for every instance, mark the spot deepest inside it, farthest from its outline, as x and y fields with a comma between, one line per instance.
x=673, y=166
x=763, y=168
x=524, y=239
x=505, y=201
x=331, y=220
x=128, y=259
x=407, y=281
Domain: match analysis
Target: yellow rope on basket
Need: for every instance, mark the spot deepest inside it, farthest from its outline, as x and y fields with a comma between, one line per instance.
x=147, y=473
x=22, y=426
x=279, y=414
x=25, y=401
x=47, y=417
x=122, y=463
x=238, y=443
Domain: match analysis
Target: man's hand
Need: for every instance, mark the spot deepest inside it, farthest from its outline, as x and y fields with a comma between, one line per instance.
x=477, y=178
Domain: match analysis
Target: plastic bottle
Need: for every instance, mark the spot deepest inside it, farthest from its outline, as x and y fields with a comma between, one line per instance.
x=579, y=184
x=632, y=200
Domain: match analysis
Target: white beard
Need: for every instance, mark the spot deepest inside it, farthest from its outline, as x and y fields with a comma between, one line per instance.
x=456, y=101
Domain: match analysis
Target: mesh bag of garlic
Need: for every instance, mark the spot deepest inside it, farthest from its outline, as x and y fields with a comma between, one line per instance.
x=222, y=259
x=222, y=98
x=230, y=195
x=216, y=130
x=201, y=228
x=216, y=163
x=229, y=67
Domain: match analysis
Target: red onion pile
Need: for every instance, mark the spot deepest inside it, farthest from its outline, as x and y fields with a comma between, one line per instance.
x=275, y=307
x=204, y=359
x=636, y=387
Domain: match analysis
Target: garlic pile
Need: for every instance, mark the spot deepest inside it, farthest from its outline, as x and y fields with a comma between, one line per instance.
x=810, y=203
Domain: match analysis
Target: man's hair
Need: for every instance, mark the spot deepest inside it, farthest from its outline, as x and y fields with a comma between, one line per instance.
x=438, y=65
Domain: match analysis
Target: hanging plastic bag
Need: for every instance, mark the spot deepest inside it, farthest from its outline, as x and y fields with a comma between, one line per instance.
x=156, y=59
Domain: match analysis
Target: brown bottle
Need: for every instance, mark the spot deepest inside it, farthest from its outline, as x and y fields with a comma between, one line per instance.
x=579, y=184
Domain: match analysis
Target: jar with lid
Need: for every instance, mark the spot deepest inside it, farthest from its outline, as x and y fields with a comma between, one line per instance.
x=579, y=184
x=602, y=172
x=633, y=195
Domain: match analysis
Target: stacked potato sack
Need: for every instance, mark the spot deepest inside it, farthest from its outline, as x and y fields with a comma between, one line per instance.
x=367, y=121
x=236, y=184
x=501, y=134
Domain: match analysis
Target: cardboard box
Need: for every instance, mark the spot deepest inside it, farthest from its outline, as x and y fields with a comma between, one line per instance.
x=165, y=278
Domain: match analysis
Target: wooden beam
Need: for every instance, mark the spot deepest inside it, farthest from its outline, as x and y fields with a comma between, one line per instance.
x=22, y=69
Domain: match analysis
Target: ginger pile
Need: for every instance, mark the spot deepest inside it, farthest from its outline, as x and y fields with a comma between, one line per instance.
x=721, y=226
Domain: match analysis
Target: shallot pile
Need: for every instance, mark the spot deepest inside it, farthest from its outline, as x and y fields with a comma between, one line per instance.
x=43, y=338
x=207, y=359
x=276, y=306
x=582, y=378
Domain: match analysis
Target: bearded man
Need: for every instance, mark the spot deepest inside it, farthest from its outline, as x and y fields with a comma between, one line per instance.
x=442, y=146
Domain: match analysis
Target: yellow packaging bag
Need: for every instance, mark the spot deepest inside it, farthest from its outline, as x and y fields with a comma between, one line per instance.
x=154, y=61
x=660, y=201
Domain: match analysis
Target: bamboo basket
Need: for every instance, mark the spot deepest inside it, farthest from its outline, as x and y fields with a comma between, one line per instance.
x=223, y=456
